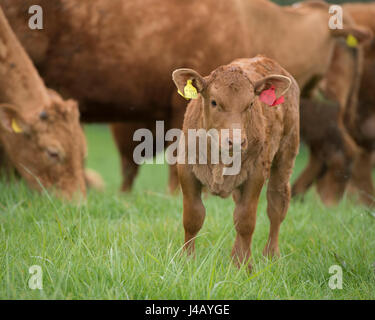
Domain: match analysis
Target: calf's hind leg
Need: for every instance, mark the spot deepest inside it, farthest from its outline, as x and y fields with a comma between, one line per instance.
x=278, y=198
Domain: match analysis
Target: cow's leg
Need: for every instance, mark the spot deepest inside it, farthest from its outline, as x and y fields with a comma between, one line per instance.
x=246, y=199
x=361, y=178
x=278, y=194
x=330, y=190
x=308, y=176
x=173, y=182
x=332, y=185
x=123, y=135
x=129, y=173
x=193, y=208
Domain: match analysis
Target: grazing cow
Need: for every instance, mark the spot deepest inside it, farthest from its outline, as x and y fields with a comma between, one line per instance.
x=361, y=123
x=332, y=149
x=115, y=56
x=363, y=131
x=336, y=159
x=330, y=158
x=230, y=97
x=40, y=134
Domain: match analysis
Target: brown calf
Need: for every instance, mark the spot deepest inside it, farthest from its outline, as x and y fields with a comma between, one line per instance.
x=229, y=97
x=40, y=134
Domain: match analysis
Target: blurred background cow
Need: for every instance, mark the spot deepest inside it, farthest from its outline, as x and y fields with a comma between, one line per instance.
x=340, y=130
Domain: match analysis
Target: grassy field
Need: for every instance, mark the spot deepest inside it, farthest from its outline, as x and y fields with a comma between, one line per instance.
x=128, y=246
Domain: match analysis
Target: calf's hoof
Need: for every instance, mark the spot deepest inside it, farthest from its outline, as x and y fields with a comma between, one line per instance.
x=188, y=249
x=241, y=260
x=174, y=191
x=271, y=252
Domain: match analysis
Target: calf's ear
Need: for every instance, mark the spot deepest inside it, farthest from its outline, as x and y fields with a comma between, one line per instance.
x=11, y=120
x=279, y=82
x=182, y=76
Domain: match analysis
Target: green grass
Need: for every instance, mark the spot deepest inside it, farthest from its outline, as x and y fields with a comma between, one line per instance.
x=128, y=246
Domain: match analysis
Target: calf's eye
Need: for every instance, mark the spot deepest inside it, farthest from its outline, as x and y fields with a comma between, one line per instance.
x=54, y=154
x=213, y=103
x=43, y=115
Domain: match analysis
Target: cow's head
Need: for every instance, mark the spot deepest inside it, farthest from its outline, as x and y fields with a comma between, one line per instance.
x=46, y=145
x=230, y=100
x=349, y=26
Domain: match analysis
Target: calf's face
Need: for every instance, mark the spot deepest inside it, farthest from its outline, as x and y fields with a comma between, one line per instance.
x=47, y=146
x=228, y=98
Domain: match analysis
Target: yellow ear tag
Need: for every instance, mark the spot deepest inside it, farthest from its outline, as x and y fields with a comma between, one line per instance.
x=351, y=41
x=181, y=94
x=16, y=128
x=190, y=92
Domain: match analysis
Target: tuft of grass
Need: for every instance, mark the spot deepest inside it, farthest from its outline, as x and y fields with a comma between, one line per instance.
x=119, y=246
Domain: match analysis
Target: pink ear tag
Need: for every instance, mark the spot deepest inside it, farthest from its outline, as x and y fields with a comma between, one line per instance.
x=269, y=97
x=279, y=101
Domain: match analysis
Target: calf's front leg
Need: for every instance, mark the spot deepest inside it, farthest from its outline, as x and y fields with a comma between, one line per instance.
x=278, y=198
x=246, y=198
x=193, y=208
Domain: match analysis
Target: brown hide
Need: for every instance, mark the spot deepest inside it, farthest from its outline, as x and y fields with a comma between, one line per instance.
x=230, y=97
x=39, y=132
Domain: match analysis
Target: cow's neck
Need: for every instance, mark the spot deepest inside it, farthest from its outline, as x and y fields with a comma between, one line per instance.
x=289, y=35
x=20, y=83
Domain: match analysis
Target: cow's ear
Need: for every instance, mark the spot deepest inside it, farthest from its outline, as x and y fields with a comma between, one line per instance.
x=279, y=82
x=187, y=77
x=359, y=33
x=11, y=120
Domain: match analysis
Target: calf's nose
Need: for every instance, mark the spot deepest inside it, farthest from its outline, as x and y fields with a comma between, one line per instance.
x=243, y=143
x=230, y=143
